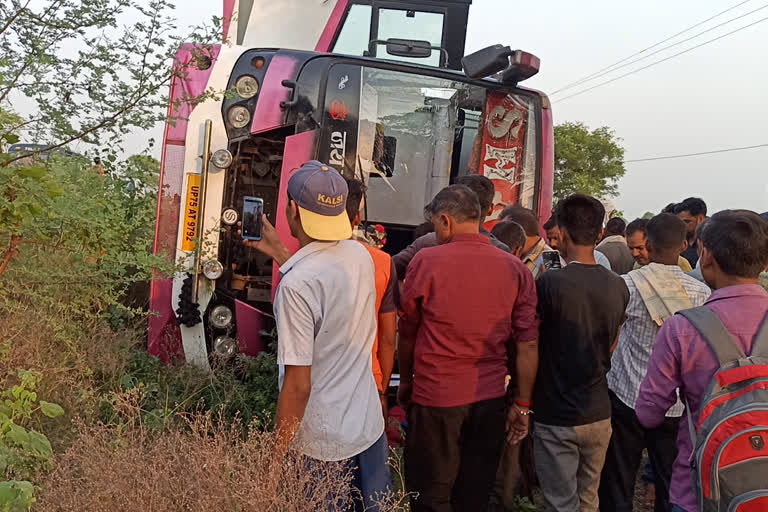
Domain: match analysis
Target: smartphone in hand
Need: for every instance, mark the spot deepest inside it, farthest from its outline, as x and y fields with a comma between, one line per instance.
x=253, y=210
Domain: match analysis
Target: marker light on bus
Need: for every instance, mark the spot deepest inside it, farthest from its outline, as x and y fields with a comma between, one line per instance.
x=220, y=317
x=224, y=346
x=238, y=116
x=247, y=87
x=213, y=269
x=221, y=158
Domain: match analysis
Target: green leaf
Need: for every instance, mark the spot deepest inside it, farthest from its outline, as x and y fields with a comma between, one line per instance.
x=11, y=138
x=40, y=444
x=50, y=409
x=36, y=172
x=17, y=435
x=16, y=496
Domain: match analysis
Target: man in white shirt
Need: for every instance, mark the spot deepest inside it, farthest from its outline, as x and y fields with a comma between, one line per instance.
x=657, y=291
x=326, y=324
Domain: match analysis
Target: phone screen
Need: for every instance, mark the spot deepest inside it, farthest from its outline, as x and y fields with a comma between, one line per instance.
x=253, y=209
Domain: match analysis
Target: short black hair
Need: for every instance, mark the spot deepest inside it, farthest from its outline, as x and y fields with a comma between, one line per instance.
x=738, y=240
x=522, y=216
x=551, y=223
x=637, y=225
x=616, y=226
x=692, y=205
x=666, y=231
x=354, y=197
x=481, y=186
x=582, y=216
x=670, y=208
x=457, y=201
x=511, y=233
x=764, y=215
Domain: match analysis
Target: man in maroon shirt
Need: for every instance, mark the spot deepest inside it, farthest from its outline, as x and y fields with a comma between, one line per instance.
x=462, y=303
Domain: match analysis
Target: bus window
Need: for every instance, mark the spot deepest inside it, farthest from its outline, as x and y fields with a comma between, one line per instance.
x=402, y=24
x=355, y=34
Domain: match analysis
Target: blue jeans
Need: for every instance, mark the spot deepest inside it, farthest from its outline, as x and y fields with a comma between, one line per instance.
x=370, y=476
x=675, y=508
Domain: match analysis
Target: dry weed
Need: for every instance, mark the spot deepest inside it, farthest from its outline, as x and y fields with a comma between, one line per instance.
x=207, y=466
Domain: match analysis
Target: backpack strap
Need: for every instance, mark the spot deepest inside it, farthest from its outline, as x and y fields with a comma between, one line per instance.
x=760, y=345
x=716, y=335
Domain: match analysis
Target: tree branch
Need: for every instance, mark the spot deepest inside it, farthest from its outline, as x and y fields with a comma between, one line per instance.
x=13, y=18
x=10, y=252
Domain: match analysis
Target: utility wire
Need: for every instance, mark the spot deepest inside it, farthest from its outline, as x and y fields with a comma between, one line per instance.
x=599, y=75
x=660, y=61
x=727, y=150
x=605, y=69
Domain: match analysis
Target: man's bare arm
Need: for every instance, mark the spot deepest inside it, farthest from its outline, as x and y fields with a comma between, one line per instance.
x=292, y=402
x=527, y=365
x=387, y=345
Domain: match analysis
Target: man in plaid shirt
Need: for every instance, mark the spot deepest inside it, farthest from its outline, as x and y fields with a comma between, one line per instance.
x=656, y=293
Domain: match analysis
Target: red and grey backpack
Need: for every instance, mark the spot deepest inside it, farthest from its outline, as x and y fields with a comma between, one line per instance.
x=730, y=451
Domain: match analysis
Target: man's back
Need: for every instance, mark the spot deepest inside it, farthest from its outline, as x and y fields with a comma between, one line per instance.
x=326, y=301
x=629, y=362
x=681, y=351
x=467, y=300
x=581, y=308
x=616, y=250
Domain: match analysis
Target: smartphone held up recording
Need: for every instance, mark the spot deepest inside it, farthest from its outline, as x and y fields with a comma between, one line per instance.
x=551, y=260
x=253, y=210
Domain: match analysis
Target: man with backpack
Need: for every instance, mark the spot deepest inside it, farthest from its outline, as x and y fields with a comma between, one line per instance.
x=703, y=353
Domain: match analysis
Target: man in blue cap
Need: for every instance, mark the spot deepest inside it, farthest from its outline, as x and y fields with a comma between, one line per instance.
x=326, y=324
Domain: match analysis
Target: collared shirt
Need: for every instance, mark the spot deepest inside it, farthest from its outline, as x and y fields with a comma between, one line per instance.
x=615, y=249
x=326, y=319
x=629, y=362
x=682, y=359
x=464, y=301
x=404, y=257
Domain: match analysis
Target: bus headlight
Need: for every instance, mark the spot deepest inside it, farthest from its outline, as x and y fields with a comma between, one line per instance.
x=247, y=87
x=238, y=116
x=225, y=346
x=222, y=158
x=220, y=317
x=213, y=269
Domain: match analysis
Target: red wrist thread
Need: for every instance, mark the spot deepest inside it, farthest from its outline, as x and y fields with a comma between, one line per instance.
x=527, y=405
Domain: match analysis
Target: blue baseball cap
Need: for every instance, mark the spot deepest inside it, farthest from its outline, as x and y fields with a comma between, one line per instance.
x=321, y=195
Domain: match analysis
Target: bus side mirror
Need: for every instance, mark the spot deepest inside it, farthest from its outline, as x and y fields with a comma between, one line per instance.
x=486, y=62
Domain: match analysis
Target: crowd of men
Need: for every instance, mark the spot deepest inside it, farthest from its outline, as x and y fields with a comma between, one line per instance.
x=498, y=338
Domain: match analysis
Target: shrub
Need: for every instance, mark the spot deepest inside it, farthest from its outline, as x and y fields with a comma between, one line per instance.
x=207, y=466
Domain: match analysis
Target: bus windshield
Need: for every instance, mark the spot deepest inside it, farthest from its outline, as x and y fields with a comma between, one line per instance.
x=407, y=136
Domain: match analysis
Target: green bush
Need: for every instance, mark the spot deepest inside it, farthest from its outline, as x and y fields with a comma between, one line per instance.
x=246, y=391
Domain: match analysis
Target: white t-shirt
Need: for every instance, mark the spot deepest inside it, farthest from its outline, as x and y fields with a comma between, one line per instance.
x=326, y=318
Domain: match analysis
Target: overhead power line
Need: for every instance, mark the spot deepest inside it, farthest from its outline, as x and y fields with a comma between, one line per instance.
x=661, y=60
x=605, y=69
x=668, y=157
x=660, y=50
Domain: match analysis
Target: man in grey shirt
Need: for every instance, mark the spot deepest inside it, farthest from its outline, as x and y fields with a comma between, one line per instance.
x=484, y=189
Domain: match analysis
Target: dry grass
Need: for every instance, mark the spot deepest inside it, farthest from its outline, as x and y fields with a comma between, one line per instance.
x=207, y=466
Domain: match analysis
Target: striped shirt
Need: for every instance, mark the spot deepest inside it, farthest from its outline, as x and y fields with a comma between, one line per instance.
x=629, y=362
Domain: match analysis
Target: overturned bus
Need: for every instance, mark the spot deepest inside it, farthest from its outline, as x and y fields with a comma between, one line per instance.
x=382, y=91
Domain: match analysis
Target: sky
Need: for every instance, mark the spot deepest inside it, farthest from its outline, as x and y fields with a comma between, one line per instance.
x=711, y=98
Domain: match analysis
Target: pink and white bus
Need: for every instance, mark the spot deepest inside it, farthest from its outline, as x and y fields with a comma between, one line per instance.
x=379, y=89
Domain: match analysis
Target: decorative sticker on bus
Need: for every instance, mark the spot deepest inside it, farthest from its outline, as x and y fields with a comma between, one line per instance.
x=191, y=212
x=342, y=104
x=503, y=133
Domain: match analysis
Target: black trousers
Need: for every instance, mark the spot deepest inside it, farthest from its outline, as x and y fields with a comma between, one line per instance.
x=625, y=451
x=452, y=454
